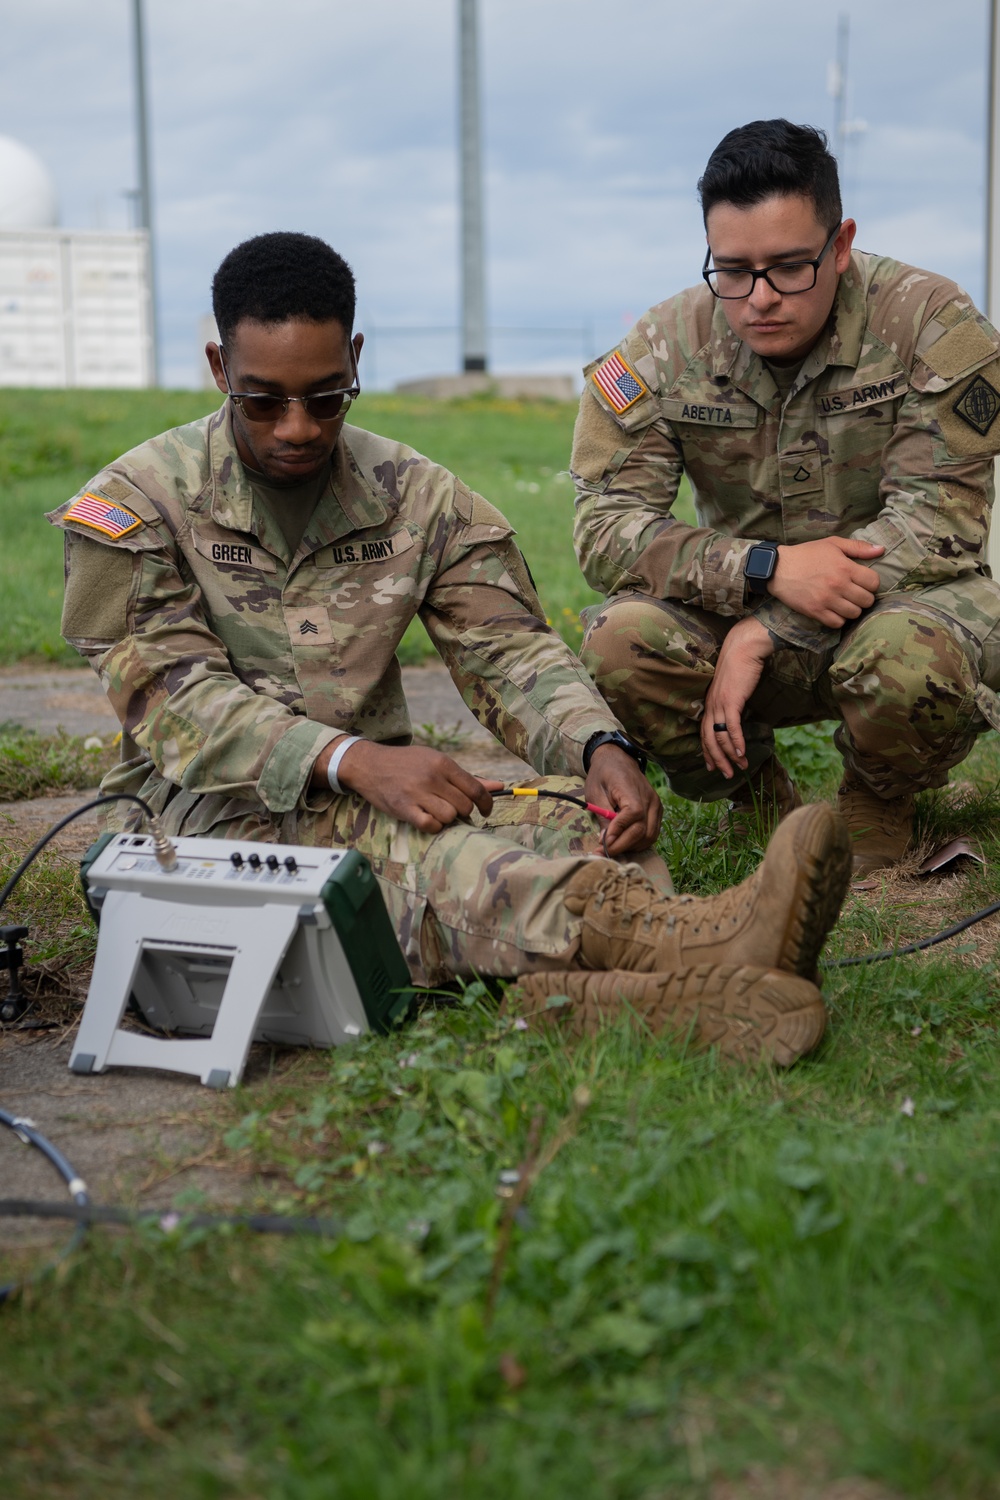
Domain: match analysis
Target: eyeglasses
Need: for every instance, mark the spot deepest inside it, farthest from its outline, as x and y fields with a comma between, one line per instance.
x=261, y=406
x=790, y=279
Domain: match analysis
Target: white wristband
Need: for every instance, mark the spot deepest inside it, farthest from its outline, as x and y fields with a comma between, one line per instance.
x=336, y=758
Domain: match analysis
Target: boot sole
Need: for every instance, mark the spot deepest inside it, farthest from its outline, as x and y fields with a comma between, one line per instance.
x=749, y=1014
x=822, y=855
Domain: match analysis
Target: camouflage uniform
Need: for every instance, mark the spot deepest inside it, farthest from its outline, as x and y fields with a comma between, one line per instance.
x=231, y=664
x=888, y=434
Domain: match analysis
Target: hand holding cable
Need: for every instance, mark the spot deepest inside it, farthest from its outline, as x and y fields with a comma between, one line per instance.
x=615, y=782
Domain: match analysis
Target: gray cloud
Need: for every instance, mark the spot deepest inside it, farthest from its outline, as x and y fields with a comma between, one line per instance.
x=339, y=119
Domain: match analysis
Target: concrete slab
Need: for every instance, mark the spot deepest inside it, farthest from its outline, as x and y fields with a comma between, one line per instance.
x=50, y=699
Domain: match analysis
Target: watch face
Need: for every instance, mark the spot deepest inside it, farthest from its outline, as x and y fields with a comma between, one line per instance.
x=760, y=563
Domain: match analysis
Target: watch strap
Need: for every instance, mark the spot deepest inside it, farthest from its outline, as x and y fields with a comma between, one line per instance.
x=612, y=737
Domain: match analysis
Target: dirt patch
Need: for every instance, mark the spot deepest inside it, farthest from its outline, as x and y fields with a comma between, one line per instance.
x=759, y=1483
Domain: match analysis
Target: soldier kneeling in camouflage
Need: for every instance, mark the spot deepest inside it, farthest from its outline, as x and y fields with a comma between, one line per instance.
x=836, y=415
x=241, y=585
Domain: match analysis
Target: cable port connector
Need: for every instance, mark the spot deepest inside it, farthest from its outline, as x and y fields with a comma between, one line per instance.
x=166, y=854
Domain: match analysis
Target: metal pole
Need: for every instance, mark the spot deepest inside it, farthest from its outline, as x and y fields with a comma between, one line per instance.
x=839, y=90
x=473, y=277
x=145, y=193
x=993, y=223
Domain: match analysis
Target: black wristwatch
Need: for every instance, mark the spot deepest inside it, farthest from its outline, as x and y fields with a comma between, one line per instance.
x=759, y=565
x=612, y=737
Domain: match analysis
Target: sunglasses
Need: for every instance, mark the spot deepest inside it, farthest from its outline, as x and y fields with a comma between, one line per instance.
x=261, y=406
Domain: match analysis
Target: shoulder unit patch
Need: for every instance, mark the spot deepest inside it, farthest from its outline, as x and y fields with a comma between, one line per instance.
x=978, y=405
x=101, y=515
x=619, y=384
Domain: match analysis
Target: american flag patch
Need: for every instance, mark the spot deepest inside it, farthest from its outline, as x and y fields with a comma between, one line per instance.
x=94, y=511
x=618, y=383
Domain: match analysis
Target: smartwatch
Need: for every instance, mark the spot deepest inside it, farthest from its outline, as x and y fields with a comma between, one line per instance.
x=609, y=737
x=759, y=565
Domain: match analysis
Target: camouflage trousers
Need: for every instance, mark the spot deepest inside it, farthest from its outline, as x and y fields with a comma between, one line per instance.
x=902, y=682
x=483, y=897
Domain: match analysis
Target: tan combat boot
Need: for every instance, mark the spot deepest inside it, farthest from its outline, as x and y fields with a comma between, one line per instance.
x=762, y=801
x=747, y=1013
x=777, y=919
x=881, y=827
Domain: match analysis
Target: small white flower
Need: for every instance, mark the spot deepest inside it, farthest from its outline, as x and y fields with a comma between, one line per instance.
x=908, y=1108
x=520, y=1024
x=375, y=1148
x=93, y=742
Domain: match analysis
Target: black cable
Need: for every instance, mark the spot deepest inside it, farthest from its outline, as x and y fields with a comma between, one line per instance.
x=542, y=792
x=26, y=1132
x=58, y=827
x=99, y=1213
x=928, y=942
x=85, y=1213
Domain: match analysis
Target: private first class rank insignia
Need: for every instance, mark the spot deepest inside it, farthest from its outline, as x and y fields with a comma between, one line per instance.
x=101, y=515
x=617, y=383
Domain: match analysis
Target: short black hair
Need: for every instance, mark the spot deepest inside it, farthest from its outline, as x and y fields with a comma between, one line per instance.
x=772, y=158
x=274, y=277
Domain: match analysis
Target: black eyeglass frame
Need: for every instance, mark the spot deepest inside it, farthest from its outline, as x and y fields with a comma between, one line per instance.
x=347, y=394
x=791, y=265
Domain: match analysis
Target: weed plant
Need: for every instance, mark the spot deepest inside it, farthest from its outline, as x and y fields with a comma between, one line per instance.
x=713, y=1266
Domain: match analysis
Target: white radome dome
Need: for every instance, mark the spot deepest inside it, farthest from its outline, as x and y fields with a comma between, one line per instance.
x=27, y=192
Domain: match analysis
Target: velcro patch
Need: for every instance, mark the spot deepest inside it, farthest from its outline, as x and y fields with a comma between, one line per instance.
x=978, y=405
x=102, y=515
x=618, y=383
x=959, y=350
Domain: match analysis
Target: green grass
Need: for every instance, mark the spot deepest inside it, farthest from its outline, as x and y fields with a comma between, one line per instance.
x=52, y=442
x=715, y=1266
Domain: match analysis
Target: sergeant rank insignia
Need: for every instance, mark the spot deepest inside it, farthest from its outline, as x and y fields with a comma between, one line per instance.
x=620, y=385
x=100, y=515
x=978, y=405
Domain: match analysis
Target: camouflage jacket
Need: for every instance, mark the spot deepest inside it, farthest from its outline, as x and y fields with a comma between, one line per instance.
x=888, y=434
x=232, y=664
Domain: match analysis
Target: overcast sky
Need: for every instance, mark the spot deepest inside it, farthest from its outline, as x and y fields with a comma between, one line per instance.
x=338, y=117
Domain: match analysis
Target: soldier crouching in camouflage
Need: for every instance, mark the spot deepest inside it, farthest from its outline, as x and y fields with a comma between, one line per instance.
x=836, y=415
x=241, y=585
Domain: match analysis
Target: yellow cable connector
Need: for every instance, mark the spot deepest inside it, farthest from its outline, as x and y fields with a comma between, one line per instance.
x=524, y=791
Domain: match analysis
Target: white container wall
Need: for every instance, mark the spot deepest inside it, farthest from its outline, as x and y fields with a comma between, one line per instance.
x=75, y=308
